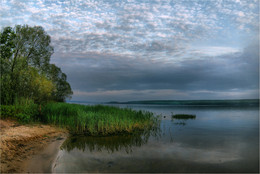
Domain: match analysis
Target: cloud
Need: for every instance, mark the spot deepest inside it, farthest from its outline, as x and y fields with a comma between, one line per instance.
x=215, y=51
x=125, y=95
x=131, y=47
x=157, y=25
x=105, y=76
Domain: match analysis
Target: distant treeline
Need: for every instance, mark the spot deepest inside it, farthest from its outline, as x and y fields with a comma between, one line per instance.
x=243, y=102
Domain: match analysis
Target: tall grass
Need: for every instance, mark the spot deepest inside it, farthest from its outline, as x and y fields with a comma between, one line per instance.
x=96, y=120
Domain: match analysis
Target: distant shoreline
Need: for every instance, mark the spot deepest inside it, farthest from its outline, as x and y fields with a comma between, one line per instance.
x=240, y=102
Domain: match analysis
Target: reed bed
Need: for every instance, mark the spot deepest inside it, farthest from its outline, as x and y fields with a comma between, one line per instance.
x=183, y=116
x=98, y=119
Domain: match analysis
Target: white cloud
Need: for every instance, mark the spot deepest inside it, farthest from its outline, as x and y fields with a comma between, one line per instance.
x=215, y=50
x=143, y=22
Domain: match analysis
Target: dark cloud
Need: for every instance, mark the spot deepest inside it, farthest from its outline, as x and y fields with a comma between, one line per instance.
x=98, y=72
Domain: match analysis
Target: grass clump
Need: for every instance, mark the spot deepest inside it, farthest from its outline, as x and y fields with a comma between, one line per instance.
x=184, y=116
x=96, y=120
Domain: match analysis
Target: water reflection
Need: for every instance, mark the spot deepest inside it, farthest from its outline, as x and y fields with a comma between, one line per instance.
x=217, y=141
x=181, y=123
x=110, y=143
x=120, y=142
x=181, y=119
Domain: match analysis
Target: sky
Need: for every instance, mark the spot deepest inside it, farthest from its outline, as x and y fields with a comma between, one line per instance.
x=116, y=50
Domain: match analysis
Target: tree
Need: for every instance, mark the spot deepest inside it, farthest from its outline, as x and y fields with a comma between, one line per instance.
x=33, y=44
x=7, y=46
x=25, y=66
x=63, y=89
x=43, y=89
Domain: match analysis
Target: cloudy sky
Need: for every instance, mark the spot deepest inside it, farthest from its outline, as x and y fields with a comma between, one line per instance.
x=116, y=50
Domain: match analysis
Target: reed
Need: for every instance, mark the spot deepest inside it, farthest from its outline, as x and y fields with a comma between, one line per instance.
x=97, y=120
x=183, y=116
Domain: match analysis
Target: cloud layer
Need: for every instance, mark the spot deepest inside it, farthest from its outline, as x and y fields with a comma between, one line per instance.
x=158, y=49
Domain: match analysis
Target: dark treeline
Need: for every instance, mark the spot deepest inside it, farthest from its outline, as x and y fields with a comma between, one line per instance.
x=242, y=102
x=26, y=71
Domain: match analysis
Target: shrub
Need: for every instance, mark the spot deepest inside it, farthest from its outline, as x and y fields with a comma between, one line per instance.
x=7, y=111
x=25, y=111
x=30, y=110
x=24, y=118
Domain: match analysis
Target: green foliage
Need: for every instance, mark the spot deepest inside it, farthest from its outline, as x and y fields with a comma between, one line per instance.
x=43, y=89
x=33, y=43
x=23, y=118
x=6, y=47
x=6, y=90
x=7, y=111
x=24, y=111
x=26, y=71
x=97, y=120
x=63, y=89
x=28, y=110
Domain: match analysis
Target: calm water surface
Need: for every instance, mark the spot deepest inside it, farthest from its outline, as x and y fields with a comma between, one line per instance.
x=220, y=139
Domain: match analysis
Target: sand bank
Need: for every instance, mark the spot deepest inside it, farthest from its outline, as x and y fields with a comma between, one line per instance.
x=28, y=148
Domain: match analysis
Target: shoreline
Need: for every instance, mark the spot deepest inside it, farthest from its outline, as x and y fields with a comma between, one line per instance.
x=44, y=161
x=29, y=148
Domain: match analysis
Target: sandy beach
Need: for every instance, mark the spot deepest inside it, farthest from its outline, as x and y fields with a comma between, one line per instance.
x=29, y=148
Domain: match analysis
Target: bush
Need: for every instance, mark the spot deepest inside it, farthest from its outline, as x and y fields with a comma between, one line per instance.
x=30, y=110
x=24, y=111
x=7, y=111
x=24, y=118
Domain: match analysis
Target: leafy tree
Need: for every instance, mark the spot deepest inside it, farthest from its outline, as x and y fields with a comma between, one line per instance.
x=33, y=44
x=43, y=89
x=6, y=49
x=60, y=80
x=25, y=66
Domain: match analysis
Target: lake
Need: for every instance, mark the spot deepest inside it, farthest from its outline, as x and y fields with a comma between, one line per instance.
x=219, y=139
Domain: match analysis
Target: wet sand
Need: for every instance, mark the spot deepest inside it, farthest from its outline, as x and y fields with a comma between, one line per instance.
x=29, y=148
x=44, y=161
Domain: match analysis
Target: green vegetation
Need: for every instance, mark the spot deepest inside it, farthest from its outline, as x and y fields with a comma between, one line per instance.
x=183, y=116
x=30, y=86
x=26, y=72
x=25, y=111
x=97, y=120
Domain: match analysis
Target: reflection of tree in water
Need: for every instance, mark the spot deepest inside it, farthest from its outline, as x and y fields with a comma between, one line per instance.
x=110, y=143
